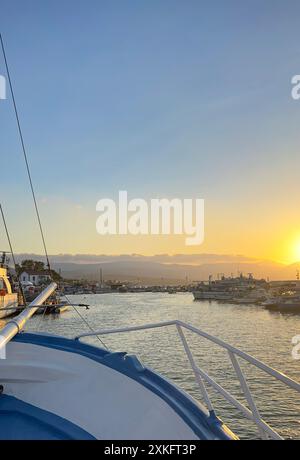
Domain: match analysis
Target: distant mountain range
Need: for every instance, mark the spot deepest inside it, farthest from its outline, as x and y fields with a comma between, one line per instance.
x=164, y=268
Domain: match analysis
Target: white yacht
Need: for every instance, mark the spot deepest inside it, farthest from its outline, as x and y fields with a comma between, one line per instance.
x=211, y=295
x=253, y=296
x=284, y=304
x=8, y=299
x=237, y=290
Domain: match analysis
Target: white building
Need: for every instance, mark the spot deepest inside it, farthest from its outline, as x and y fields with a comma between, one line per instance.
x=34, y=277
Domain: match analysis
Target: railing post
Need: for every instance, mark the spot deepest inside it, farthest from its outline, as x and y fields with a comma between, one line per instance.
x=194, y=367
x=201, y=377
x=247, y=393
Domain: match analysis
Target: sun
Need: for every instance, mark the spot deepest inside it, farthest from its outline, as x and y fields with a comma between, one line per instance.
x=296, y=250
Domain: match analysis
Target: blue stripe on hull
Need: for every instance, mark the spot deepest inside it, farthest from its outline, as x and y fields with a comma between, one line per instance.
x=23, y=421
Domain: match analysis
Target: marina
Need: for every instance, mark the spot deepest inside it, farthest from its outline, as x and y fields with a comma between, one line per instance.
x=283, y=296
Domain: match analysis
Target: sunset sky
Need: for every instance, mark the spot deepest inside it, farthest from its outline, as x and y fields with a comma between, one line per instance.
x=163, y=99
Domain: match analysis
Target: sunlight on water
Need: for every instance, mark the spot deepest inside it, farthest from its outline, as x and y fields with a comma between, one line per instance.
x=263, y=334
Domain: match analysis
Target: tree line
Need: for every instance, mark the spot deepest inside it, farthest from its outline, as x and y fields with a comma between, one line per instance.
x=36, y=266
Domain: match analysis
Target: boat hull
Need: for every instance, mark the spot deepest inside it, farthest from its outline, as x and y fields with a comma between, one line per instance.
x=202, y=295
x=75, y=391
x=8, y=305
x=53, y=309
x=284, y=307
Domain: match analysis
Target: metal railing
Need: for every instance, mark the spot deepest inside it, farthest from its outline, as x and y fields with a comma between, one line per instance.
x=15, y=325
x=201, y=377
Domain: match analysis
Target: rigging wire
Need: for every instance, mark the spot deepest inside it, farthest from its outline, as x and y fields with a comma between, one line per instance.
x=25, y=154
x=85, y=321
x=12, y=253
x=32, y=187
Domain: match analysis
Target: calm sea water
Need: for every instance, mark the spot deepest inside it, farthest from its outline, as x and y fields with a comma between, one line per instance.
x=263, y=334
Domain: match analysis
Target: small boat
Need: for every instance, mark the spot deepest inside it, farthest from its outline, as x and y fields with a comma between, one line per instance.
x=284, y=305
x=61, y=309
x=53, y=309
x=59, y=306
x=8, y=298
x=270, y=302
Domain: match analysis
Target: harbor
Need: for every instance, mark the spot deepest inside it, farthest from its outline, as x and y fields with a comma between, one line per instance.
x=281, y=296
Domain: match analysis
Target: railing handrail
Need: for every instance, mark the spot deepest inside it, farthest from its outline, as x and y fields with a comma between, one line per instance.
x=252, y=413
x=268, y=369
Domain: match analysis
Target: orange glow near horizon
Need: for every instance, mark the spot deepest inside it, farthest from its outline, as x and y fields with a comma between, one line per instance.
x=289, y=252
x=295, y=250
